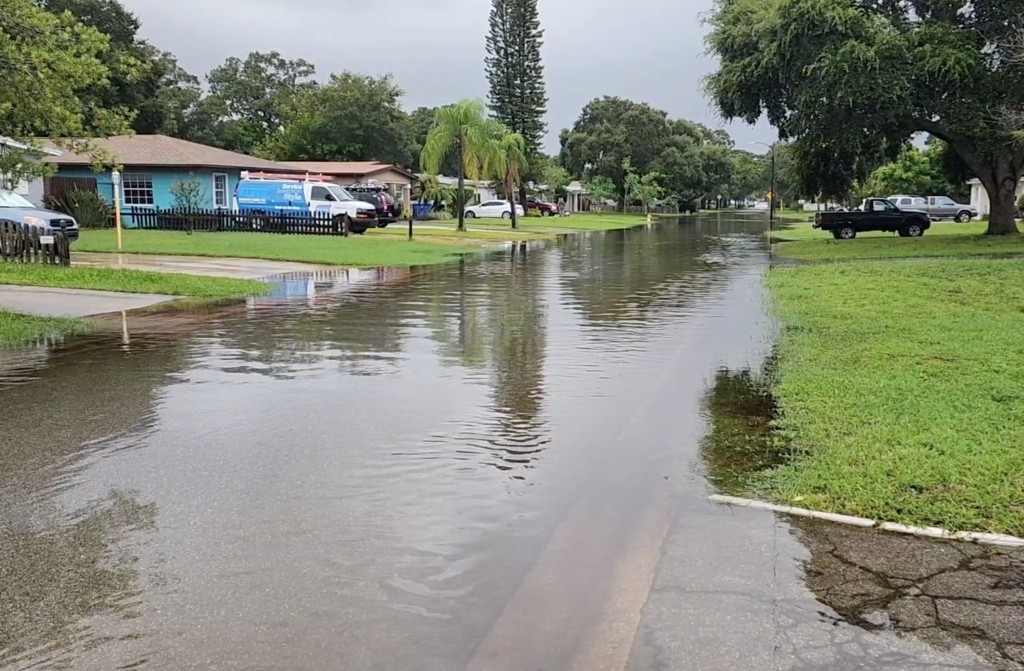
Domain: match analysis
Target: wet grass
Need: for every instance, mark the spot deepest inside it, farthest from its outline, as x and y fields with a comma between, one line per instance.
x=130, y=281
x=18, y=329
x=901, y=391
x=434, y=241
x=943, y=239
x=740, y=444
x=357, y=251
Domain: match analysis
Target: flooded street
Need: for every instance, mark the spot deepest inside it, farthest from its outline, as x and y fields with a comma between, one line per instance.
x=493, y=465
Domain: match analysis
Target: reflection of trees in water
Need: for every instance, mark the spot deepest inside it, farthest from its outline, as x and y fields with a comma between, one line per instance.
x=52, y=579
x=739, y=443
x=492, y=321
x=636, y=275
x=942, y=592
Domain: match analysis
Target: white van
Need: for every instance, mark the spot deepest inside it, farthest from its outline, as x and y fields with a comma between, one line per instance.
x=266, y=193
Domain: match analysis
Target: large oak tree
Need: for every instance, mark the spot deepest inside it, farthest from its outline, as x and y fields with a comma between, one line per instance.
x=847, y=77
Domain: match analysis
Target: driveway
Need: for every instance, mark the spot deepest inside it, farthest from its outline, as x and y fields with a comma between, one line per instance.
x=51, y=302
x=248, y=269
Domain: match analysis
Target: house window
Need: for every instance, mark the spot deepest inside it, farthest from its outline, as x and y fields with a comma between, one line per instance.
x=137, y=188
x=220, y=190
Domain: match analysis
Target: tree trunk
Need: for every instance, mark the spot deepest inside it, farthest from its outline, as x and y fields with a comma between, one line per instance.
x=460, y=197
x=511, y=188
x=1002, y=195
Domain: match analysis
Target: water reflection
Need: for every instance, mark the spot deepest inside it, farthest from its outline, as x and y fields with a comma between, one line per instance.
x=357, y=474
x=944, y=593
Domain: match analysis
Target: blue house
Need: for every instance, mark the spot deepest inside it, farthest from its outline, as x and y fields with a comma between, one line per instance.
x=157, y=170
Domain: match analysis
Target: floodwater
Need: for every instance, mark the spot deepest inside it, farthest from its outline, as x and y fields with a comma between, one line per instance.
x=490, y=465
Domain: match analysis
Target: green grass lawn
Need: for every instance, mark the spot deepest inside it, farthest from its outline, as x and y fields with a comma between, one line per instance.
x=357, y=250
x=434, y=241
x=133, y=281
x=18, y=329
x=943, y=239
x=901, y=390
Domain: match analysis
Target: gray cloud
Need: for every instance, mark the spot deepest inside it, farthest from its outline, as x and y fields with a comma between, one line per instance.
x=647, y=50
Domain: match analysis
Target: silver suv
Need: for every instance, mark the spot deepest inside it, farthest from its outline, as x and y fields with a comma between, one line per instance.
x=19, y=209
x=936, y=207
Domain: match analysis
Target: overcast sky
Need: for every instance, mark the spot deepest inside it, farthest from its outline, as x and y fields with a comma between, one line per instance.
x=645, y=50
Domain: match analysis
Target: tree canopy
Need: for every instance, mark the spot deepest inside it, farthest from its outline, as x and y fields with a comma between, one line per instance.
x=694, y=162
x=49, y=66
x=350, y=118
x=850, y=80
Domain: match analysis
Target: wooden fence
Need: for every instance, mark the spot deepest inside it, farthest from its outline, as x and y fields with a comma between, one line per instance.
x=22, y=243
x=225, y=221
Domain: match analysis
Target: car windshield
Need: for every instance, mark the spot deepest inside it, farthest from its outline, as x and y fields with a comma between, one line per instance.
x=11, y=199
x=340, y=193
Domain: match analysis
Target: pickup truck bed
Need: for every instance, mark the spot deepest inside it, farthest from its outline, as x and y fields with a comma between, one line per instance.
x=876, y=214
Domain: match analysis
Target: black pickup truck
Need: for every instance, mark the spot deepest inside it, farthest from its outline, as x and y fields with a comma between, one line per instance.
x=875, y=214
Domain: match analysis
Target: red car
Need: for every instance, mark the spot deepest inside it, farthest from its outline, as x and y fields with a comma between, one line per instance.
x=545, y=209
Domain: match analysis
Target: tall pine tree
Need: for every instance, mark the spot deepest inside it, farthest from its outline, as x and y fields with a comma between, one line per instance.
x=515, y=72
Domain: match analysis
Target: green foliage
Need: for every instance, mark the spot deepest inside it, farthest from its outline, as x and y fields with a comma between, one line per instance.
x=852, y=81
x=464, y=131
x=515, y=71
x=350, y=118
x=147, y=83
x=88, y=208
x=920, y=416
x=505, y=161
x=189, y=194
x=601, y=190
x=915, y=172
x=694, y=160
x=49, y=67
x=417, y=127
x=549, y=173
x=642, y=188
x=750, y=176
x=248, y=99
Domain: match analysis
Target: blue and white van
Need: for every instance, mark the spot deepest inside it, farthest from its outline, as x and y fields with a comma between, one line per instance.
x=261, y=193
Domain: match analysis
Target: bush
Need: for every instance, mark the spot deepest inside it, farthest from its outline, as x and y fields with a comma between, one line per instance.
x=533, y=213
x=439, y=215
x=88, y=208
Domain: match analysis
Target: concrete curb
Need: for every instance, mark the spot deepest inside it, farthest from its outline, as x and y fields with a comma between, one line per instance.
x=1002, y=540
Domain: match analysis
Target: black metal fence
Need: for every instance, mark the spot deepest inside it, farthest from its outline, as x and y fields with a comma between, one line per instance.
x=22, y=243
x=225, y=221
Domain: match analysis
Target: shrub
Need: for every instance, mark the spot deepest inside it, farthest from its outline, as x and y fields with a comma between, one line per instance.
x=88, y=208
x=532, y=213
x=439, y=215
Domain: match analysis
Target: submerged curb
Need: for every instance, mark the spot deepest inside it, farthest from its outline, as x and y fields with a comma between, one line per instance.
x=1002, y=540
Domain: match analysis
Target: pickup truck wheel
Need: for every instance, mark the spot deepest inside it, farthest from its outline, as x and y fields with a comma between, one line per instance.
x=914, y=231
x=847, y=233
x=963, y=217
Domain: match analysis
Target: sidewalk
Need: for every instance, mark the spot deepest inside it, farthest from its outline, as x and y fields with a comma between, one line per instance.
x=49, y=302
x=246, y=269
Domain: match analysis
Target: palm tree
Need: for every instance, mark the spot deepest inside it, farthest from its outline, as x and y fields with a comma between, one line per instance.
x=464, y=129
x=505, y=161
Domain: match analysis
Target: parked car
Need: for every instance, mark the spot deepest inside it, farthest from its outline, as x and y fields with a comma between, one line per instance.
x=875, y=214
x=544, y=208
x=493, y=209
x=272, y=194
x=388, y=209
x=936, y=207
x=19, y=209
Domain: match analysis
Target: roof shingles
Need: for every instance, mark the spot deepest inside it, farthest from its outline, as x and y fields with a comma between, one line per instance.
x=169, y=152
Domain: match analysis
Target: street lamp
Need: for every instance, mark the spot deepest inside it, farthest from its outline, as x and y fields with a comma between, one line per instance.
x=771, y=197
x=115, y=178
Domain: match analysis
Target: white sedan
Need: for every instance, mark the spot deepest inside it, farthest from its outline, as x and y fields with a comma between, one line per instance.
x=493, y=209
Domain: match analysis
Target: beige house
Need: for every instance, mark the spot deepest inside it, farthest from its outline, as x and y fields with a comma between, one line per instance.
x=398, y=180
x=979, y=196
